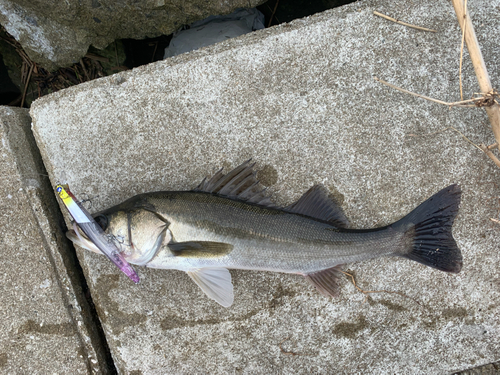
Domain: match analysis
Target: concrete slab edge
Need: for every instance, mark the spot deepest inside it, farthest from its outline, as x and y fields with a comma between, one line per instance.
x=60, y=252
x=490, y=369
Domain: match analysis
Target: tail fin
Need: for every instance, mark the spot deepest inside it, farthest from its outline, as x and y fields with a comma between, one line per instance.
x=428, y=231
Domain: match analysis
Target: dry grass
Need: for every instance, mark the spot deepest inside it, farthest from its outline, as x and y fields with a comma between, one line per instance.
x=37, y=81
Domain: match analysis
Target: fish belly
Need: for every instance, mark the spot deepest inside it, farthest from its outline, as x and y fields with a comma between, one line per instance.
x=267, y=253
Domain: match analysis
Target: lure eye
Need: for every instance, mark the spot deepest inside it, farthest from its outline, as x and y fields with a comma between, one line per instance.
x=102, y=220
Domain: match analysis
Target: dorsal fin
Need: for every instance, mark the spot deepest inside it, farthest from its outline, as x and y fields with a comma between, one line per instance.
x=240, y=183
x=315, y=203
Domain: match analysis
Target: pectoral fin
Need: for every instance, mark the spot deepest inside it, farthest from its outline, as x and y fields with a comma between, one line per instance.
x=325, y=281
x=215, y=282
x=200, y=249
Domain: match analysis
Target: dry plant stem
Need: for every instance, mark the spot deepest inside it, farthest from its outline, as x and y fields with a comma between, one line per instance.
x=26, y=85
x=284, y=351
x=492, y=146
x=495, y=220
x=116, y=53
x=478, y=63
x=450, y=127
x=154, y=52
x=377, y=291
x=461, y=57
x=462, y=103
x=487, y=151
x=273, y=13
x=93, y=56
x=403, y=23
x=84, y=70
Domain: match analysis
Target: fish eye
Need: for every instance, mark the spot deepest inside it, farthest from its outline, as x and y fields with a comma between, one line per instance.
x=102, y=220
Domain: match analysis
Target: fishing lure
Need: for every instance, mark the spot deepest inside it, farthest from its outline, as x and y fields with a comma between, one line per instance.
x=94, y=232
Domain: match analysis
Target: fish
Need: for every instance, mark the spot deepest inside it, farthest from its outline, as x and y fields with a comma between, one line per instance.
x=230, y=222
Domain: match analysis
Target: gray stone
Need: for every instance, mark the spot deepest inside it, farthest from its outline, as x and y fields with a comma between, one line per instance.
x=301, y=100
x=58, y=33
x=45, y=326
x=490, y=369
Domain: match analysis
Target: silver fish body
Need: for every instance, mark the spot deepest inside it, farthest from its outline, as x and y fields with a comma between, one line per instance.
x=261, y=238
x=228, y=223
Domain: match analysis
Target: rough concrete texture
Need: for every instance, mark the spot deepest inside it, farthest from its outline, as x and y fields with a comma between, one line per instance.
x=58, y=33
x=43, y=329
x=301, y=100
x=490, y=369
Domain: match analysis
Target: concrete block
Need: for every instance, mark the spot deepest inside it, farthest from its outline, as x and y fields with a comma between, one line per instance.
x=56, y=34
x=45, y=325
x=301, y=100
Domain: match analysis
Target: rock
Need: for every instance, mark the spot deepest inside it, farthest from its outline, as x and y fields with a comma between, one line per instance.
x=301, y=100
x=490, y=369
x=57, y=34
x=45, y=322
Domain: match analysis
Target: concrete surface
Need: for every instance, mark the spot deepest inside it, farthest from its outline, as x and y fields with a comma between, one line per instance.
x=59, y=33
x=45, y=327
x=301, y=100
x=490, y=369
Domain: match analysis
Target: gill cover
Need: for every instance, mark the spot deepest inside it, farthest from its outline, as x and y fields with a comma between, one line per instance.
x=139, y=232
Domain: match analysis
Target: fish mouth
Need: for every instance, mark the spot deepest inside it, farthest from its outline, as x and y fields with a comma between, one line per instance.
x=79, y=238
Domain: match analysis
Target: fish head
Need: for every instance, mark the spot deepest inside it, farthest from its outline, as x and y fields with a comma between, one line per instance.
x=138, y=232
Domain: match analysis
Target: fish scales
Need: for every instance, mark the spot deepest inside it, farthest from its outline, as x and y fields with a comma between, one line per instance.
x=264, y=238
x=228, y=222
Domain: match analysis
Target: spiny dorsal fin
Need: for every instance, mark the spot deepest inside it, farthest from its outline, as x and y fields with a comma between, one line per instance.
x=315, y=203
x=240, y=183
x=325, y=281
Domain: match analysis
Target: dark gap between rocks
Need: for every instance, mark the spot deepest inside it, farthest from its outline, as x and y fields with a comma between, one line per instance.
x=108, y=367
x=145, y=51
x=289, y=10
x=73, y=268
x=121, y=55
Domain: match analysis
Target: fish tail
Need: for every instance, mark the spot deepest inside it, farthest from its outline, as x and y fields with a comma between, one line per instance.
x=427, y=231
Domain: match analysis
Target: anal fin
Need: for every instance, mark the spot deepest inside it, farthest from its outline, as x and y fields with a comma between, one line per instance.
x=325, y=281
x=215, y=282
